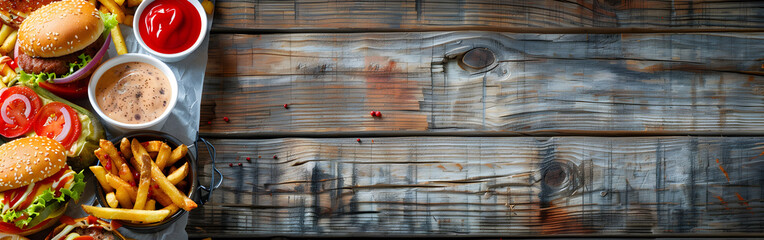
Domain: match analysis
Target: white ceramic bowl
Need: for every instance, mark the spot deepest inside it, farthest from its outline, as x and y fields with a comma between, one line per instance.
x=116, y=127
x=164, y=56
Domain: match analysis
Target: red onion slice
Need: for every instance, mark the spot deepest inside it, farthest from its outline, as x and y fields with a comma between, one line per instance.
x=12, y=98
x=67, y=125
x=82, y=72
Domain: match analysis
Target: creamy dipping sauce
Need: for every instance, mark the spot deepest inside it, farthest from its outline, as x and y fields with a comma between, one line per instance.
x=133, y=93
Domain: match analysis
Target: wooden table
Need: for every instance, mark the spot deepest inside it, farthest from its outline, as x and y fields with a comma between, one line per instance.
x=499, y=119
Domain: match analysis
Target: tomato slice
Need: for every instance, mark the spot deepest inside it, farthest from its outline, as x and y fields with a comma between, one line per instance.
x=12, y=229
x=59, y=122
x=66, y=220
x=73, y=90
x=18, y=108
x=115, y=224
x=9, y=228
x=92, y=219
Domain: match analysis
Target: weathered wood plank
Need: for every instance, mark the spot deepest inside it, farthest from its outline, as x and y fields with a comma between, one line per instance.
x=518, y=186
x=516, y=15
x=538, y=84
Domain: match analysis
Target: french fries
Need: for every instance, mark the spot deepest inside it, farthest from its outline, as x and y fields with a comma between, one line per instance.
x=117, y=160
x=124, y=147
x=152, y=146
x=137, y=149
x=124, y=198
x=129, y=20
x=111, y=199
x=133, y=3
x=100, y=174
x=105, y=160
x=179, y=199
x=114, y=8
x=143, y=188
x=148, y=216
x=9, y=43
x=151, y=205
x=178, y=175
x=117, y=182
x=119, y=41
x=177, y=154
x=208, y=6
x=155, y=184
x=5, y=31
x=163, y=156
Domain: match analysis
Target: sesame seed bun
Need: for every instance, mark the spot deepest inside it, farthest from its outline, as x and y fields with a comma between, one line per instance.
x=27, y=160
x=60, y=28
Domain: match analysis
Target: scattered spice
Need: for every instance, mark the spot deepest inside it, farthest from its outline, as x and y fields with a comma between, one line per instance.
x=358, y=140
x=275, y=157
x=226, y=119
x=239, y=164
x=286, y=106
x=378, y=114
x=372, y=113
x=249, y=159
x=230, y=164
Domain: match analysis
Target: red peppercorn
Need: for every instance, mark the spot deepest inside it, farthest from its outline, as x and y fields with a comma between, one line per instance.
x=132, y=183
x=107, y=165
x=226, y=119
x=136, y=175
x=275, y=157
x=230, y=164
x=373, y=113
x=209, y=122
x=286, y=106
x=358, y=140
x=378, y=114
x=258, y=156
x=156, y=186
x=249, y=159
x=239, y=164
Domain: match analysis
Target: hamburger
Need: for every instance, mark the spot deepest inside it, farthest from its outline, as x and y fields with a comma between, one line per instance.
x=35, y=184
x=13, y=12
x=88, y=226
x=58, y=40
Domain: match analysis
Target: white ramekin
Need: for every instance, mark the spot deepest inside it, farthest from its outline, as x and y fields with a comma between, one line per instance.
x=175, y=56
x=116, y=127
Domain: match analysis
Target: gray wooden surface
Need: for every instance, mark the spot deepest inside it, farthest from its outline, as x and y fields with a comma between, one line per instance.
x=539, y=84
x=495, y=15
x=486, y=186
x=610, y=118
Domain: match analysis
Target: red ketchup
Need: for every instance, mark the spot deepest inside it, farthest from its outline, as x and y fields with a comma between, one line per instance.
x=170, y=26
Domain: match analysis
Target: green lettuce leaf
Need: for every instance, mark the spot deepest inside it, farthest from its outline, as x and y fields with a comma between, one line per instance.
x=46, y=198
x=35, y=78
x=109, y=21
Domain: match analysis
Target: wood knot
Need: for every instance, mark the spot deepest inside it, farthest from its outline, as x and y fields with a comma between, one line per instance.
x=478, y=58
x=559, y=177
x=555, y=176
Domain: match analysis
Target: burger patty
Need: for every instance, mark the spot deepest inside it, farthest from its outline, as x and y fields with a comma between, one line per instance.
x=98, y=234
x=57, y=65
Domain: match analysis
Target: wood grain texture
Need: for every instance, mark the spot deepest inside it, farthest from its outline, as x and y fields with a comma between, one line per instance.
x=515, y=15
x=543, y=84
x=516, y=186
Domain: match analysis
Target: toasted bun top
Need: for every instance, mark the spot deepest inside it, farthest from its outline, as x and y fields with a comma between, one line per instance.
x=60, y=28
x=27, y=160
